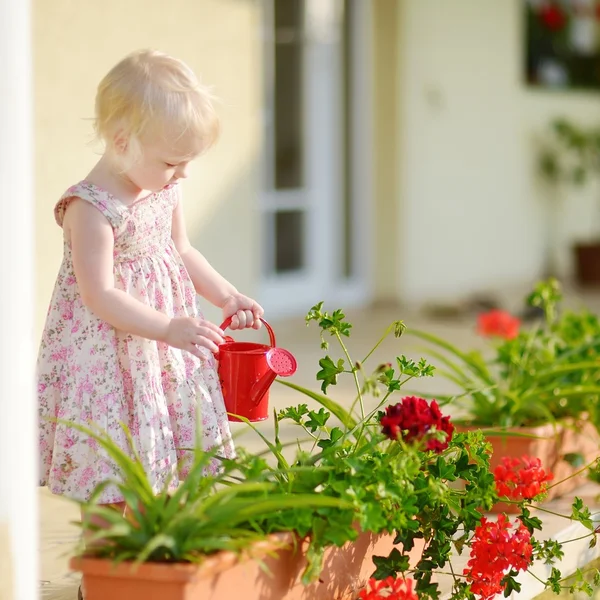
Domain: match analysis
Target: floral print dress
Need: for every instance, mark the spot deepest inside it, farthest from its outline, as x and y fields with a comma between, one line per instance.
x=92, y=374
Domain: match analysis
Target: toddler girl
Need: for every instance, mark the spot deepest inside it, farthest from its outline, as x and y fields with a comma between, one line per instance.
x=124, y=340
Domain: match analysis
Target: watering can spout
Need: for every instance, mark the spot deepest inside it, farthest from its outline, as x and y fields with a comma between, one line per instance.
x=280, y=363
x=261, y=386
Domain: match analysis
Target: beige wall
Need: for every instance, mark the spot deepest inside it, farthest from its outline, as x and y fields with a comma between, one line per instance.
x=77, y=42
x=386, y=105
x=472, y=213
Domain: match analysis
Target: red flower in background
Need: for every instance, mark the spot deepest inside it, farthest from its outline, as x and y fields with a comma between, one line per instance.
x=553, y=17
x=498, y=323
x=413, y=418
x=521, y=478
x=496, y=548
x=390, y=589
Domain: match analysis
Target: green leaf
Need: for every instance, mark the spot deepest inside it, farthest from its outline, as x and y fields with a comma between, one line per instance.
x=510, y=583
x=531, y=523
x=333, y=323
x=131, y=470
x=314, y=314
x=329, y=372
x=279, y=502
x=391, y=565
x=295, y=413
x=407, y=537
x=281, y=461
x=158, y=541
x=582, y=514
x=425, y=588
x=314, y=559
x=335, y=434
x=317, y=420
x=331, y=405
x=471, y=360
x=554, y=581
x=548, y=550
x=443, y=470
x=409, y=367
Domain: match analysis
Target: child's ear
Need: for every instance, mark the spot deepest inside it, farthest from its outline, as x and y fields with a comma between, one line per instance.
x=121, y=142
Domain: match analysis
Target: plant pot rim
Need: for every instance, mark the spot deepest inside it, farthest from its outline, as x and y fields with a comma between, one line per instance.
x=548, y=428
x=207, y=567
x=556, y=425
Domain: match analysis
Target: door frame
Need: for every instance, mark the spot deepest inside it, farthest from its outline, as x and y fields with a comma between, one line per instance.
x=291, y=294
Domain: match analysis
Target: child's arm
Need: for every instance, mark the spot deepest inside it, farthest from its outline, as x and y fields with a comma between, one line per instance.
x=244, y=311
x=92, y=244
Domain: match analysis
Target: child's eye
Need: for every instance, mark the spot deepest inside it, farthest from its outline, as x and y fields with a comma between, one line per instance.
x=170, y=165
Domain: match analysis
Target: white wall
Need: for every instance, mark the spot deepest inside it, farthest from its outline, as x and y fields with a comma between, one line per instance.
x=472, y=214
x=18, y=422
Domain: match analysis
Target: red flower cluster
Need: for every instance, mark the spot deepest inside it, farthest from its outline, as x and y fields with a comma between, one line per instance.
x=413, y=418
x=496, y=548
x=498, y=323
x=521, y=478
x=389, y=589
x=553, y=17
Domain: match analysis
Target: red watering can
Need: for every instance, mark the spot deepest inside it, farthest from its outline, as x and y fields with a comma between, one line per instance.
x=247, y=370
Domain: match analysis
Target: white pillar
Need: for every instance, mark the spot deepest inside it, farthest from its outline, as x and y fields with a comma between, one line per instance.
x=18, y=429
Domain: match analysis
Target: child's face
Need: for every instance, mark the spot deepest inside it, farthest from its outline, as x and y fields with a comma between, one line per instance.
x=162, y=163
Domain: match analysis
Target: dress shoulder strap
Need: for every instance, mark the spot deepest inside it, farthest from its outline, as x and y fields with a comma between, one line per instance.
x=114, y=211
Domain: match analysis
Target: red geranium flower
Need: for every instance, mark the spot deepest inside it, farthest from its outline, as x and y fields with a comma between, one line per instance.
x=496, y=548
x=413, y=418
x=553, y=17
x=498, y=323
x=521, y=478
x=389, y=589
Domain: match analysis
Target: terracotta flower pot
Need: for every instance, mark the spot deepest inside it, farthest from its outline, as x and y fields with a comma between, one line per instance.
x=271, y=570
x=551, y=444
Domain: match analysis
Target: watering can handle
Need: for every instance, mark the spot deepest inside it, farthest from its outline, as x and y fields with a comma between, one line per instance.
x=227, y=323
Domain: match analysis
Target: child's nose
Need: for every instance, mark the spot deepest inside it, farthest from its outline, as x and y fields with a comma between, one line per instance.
x=182, y=171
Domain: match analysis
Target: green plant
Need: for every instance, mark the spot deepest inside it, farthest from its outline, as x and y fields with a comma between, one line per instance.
x=374, y=467
x=207, y=513
x=571, y=153
x=545, y=373
x=422, y=482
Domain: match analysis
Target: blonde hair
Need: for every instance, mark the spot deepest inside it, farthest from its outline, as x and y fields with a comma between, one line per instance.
x=150, y=93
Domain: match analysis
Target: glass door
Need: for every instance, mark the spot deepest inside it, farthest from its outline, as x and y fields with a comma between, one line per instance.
x=308, y=206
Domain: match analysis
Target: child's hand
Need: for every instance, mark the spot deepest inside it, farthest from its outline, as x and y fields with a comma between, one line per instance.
x=188, y=334
x=244, y=312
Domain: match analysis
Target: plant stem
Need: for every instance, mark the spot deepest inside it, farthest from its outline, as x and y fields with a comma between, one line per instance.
x=440, y=573
x=536, y=577
x=582, y=470
x=408, y=378
x=387, y=332
x=356, y=382
x=365, y=421
x=550, y=512
x=452, y=571
x=583, y=537
x=591, y=570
